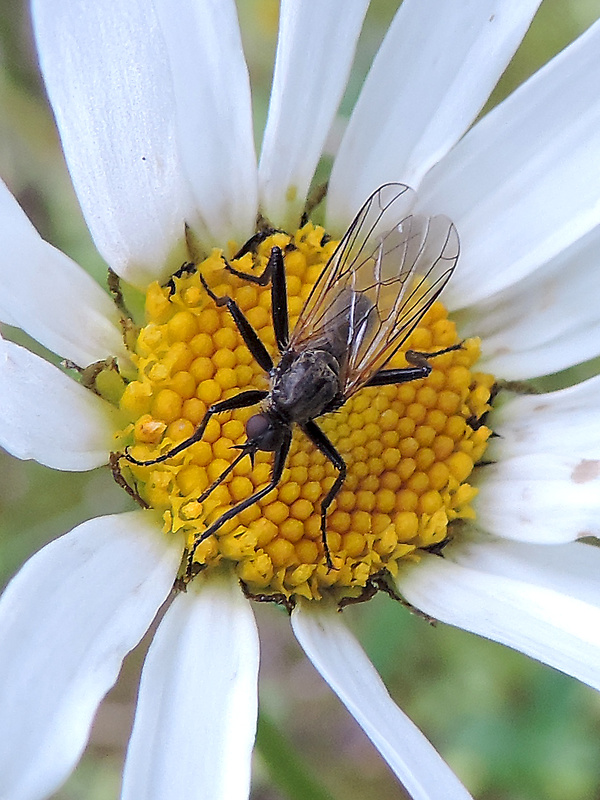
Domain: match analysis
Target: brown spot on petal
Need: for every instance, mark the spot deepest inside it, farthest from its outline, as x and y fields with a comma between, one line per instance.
x=540, y=407
x=549, y=296
x=587, y=470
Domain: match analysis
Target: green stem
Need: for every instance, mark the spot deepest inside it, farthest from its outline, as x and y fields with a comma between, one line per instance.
x=288, y=772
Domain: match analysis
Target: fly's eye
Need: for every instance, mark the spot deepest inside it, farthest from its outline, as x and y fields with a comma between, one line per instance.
x=257, y=426
x=261, y=429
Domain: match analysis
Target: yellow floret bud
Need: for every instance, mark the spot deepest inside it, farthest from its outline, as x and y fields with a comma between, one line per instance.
x=136, y=398
x=149, y=430
x=158, y=307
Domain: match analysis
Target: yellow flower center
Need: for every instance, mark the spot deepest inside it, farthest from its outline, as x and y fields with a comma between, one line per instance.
x=409, y=448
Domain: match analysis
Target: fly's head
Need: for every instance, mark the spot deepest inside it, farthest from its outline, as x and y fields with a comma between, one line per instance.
x=264, y=432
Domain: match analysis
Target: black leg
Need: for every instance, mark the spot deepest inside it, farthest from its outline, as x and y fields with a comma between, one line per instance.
x=241, y=400
x=185, y=269
x=249, y=335
x=422, y=368
x=275, y=273
x=279, y=304
x=265, y=230
x=207, y=492
x=278, y=467
x=253, y=242
x=250, y=277
x=318, y=438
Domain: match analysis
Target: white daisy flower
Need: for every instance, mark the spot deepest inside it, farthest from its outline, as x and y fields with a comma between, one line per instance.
x=153, y=107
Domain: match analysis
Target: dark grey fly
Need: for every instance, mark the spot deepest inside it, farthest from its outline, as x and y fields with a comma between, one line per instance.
x=387, y=271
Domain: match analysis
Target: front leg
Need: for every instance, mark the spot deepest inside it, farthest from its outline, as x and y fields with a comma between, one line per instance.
x=241, y=400
x=248, y=334
x=275, y=273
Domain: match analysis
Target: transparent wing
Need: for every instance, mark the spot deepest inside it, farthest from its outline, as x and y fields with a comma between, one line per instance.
x=388, y=269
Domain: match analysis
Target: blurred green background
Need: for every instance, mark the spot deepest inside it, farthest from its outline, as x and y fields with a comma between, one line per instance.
x=512, y=729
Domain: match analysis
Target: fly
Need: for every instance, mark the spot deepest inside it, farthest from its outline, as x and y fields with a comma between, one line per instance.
x=388, y=269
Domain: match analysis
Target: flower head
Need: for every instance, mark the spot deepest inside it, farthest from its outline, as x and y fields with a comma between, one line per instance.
x=396, y=486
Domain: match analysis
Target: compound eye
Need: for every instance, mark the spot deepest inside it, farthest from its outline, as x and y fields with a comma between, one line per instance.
x=257, y=426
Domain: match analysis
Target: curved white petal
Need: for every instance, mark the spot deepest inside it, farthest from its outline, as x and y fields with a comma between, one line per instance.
x=566, y=422
x=196, y=719
x=520, y=186
x=579, y=344
x=544, y=497
x=546, y=322
x=545, y=483
x=314, y=54
x=67, y=620
x=49, y=296
x=434, y=71
x=543, y=601
x=7, y=318
x=214, y=114
x=47, y=416
x=109, y=81
x=344, y=665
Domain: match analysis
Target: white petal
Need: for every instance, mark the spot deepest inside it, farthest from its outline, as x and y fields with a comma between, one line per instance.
x=108, y=78
x=196, y=719
x=546, y=322
x=543, y=601
x=49, y=296
x=344, y=665
x=67, y=620
x=433, y=73
x=566, y=422
x=47, y=416
x=520, y=186
x=214, y=114
x=314, y=54
x=545, y=498
x=545, y=483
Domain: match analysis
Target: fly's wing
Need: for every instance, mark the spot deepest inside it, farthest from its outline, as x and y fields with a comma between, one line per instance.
x=388, y=269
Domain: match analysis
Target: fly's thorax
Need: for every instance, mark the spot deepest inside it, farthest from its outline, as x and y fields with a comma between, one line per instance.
x=305, y=386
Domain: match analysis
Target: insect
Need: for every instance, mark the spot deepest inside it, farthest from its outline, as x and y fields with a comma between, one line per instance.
x=387, y=271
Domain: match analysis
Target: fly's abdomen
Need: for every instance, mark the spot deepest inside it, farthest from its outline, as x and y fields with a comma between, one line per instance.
x=349, y=320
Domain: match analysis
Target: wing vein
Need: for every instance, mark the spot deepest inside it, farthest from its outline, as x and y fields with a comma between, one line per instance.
x=388, y=269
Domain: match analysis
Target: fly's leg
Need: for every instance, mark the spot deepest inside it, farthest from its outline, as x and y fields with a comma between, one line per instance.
x=241, y=400
x=265, y=229
x=250, y=277
x=247, y=450
x=113, y=462
x=274, y=273
x=277, y=472
x=318, y=438
x=249, y=335
x=188, y=268
x=419, y=358
x=421, y=368
x=279, y=304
